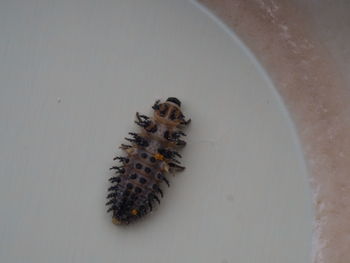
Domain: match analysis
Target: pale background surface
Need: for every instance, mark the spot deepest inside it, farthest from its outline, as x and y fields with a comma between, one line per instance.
x=73, y=73
x=304, y=47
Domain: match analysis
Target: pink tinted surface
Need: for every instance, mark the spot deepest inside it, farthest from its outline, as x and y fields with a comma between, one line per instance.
x=308, y=76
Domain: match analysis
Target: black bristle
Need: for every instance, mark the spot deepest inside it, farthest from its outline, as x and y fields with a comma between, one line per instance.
x=111, y=195
x=112, y=208
x=112, y=201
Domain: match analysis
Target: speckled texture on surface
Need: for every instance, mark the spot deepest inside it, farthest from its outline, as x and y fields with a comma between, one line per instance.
x=307, y=75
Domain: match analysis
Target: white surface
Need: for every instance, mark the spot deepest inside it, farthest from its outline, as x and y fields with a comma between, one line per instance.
x=73, y=74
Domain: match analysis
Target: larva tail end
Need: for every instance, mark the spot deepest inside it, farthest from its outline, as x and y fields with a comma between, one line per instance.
x=116, y=221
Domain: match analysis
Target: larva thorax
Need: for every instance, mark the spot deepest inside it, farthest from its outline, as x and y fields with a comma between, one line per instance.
x=152, y=154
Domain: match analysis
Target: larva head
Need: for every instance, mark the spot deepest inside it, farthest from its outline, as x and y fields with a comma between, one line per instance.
x=170, y=110
x=175, y=101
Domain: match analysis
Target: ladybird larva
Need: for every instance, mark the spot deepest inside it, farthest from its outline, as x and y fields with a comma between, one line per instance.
x=151, y=154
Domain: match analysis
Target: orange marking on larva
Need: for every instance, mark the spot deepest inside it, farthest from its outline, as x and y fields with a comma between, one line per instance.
x=158, y=156
x=134, y=212
x=116, y=221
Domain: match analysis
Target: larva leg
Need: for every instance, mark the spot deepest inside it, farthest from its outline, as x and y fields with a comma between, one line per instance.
x=125, y=146
x=156, y=105
x=121, y=159
x=186, y=122
x=180, y=143
x=176, y=167
x=137, y=139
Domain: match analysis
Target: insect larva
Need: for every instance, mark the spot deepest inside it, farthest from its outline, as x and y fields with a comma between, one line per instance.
x=151, y=154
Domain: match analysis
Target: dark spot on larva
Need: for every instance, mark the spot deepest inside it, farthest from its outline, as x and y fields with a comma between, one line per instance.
x=166, y=135
x=126, y=160
x=147, y=170
x=152, y=159
x=144, y=155
x=163, y=109
x=138, y=190
x=173, y=114
x=133, y=176
x=138, y=166
x=142, y=180
x=153, y=129
x=155, y=187
x=129, y=186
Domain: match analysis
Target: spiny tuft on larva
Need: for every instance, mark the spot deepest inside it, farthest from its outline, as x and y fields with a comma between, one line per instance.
x=151, y=154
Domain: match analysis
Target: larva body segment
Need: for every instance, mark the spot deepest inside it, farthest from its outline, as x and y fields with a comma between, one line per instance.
x=150, y=156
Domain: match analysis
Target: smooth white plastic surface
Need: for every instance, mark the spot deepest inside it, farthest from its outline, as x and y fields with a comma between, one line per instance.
x=73, y=74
